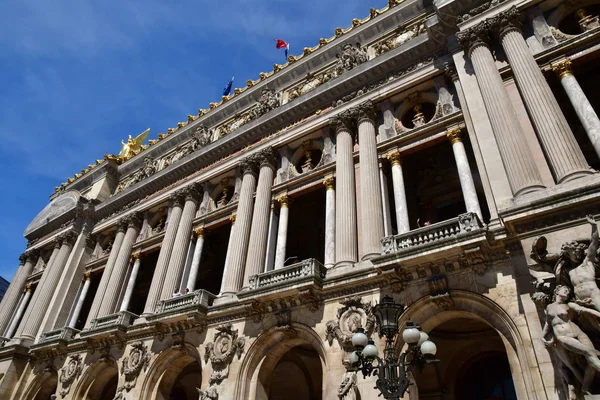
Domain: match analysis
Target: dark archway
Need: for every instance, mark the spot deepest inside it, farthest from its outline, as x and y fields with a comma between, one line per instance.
x=297, y=375
x=486, y=377
x=44, y=386
x=180, y=380
x=99, y=382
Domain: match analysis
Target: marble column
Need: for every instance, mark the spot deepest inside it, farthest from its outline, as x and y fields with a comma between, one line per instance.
x=238, y=249
x=182, y=240
x=385, y=201
x=162, y=264
x=282, y=231
x=38, y=307
x=464, y=172
x=523, y=175
x=329, y=258
x=229, y=245
x=370, y=188
x=191, y=282
x=19, y=313
x=346, y=233
x=117, y=276
x=564, y=155
x=137, y=261
x=272, y=241
x=105, y=279
x=10, y=301
x=402, y=221
x=586, y=113
x=80, y=300
x=255, y=260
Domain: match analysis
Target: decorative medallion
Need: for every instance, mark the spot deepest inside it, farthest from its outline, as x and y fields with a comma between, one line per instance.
x=353, y=315
x=69, y=373
x=221, y=351
x=138, y=360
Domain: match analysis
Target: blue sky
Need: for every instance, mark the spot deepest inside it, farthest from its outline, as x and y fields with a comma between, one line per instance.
x=77, y=76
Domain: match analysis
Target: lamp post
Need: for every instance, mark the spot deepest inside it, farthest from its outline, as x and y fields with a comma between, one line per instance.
x=391, y=371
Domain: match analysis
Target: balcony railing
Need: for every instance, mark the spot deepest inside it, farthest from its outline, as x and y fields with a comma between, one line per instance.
x=438, y=233
x=309, y=269
x=65, y=333
x=198, y=298
x=122, y=318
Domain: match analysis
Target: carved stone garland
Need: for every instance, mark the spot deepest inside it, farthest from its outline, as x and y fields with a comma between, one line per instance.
x=353, y=315
x=138, y=360
x=69, y=373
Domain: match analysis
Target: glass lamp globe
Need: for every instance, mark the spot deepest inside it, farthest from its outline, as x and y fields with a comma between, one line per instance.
x=411, y=335
x=423, y=338
x=359, y=339
x=370, y=350
x=353, y=358
x=428, y=348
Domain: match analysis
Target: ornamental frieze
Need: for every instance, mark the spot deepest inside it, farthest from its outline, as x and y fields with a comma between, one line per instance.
x=353, y=315
x=350, y=57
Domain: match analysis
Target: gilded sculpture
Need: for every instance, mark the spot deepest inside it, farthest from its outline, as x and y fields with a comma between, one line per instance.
x=133, y=146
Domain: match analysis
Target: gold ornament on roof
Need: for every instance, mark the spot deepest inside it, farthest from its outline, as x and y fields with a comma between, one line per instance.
x=133, y=146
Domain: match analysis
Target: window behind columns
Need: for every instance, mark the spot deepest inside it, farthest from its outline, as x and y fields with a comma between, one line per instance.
x=142, y=283
x=306, y=226
x=212, y=263
x=585, y=73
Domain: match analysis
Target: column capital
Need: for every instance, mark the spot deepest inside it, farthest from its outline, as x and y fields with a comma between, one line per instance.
x=192, y=192
x=478, y=35
x=57, y=242
x=232, y=219
x=248, y=165
x=394, y=157
x=122, y=224
x=68, y=237
x=454, y=134
x=364, y=111
x=329, y=182
x=176, y=198
x=284, y=200
x=562, y=68
x=23, y=258
x=200, y=232
x=134, y=220
x=450, y=71
x=506, y=21
x=343, y=121
x=266, y=158
x=88, y=276
x=137, y=256
x=28, y=287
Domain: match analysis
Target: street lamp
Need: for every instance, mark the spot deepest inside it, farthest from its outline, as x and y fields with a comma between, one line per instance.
x=392, y=372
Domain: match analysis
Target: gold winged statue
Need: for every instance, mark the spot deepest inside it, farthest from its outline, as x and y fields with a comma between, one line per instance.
x=133, y=146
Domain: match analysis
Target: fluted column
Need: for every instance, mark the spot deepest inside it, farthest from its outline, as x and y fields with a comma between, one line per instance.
x=105, y=279
x=10, y=301
x=402, y=221
x=80, y=300
x=226, y=274
x=464, y=172
x=38, y=307
x=346, y=251
x=523, y=175
x=117, y=277
x=282, y=231
x=191, y=283
x=162, y=264
x=370, y=189
x=137, y=261
x=586, y=113
x=238, y=249
x=255, y=260
x=564, y=155
x=329, y=257
x=19, y=313
x=182, y=240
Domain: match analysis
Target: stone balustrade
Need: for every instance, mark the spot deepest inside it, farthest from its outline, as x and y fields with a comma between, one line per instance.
x=306, y=270
x=198, y=298
x=65, y=333
x=434, y=234
x=123, y=318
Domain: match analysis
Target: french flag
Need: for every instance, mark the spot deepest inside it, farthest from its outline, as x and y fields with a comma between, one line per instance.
x=281, y=44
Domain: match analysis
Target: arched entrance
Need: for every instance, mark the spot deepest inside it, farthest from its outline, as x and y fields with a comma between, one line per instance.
x=43, y=387
x=99, y=382
x=174, y=375
x=473, y=363
x=283, y=364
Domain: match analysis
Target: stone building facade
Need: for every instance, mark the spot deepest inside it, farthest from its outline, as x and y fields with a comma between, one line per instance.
x=441, y=152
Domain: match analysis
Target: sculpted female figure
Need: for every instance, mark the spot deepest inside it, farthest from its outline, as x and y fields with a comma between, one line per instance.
x=566, y=335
